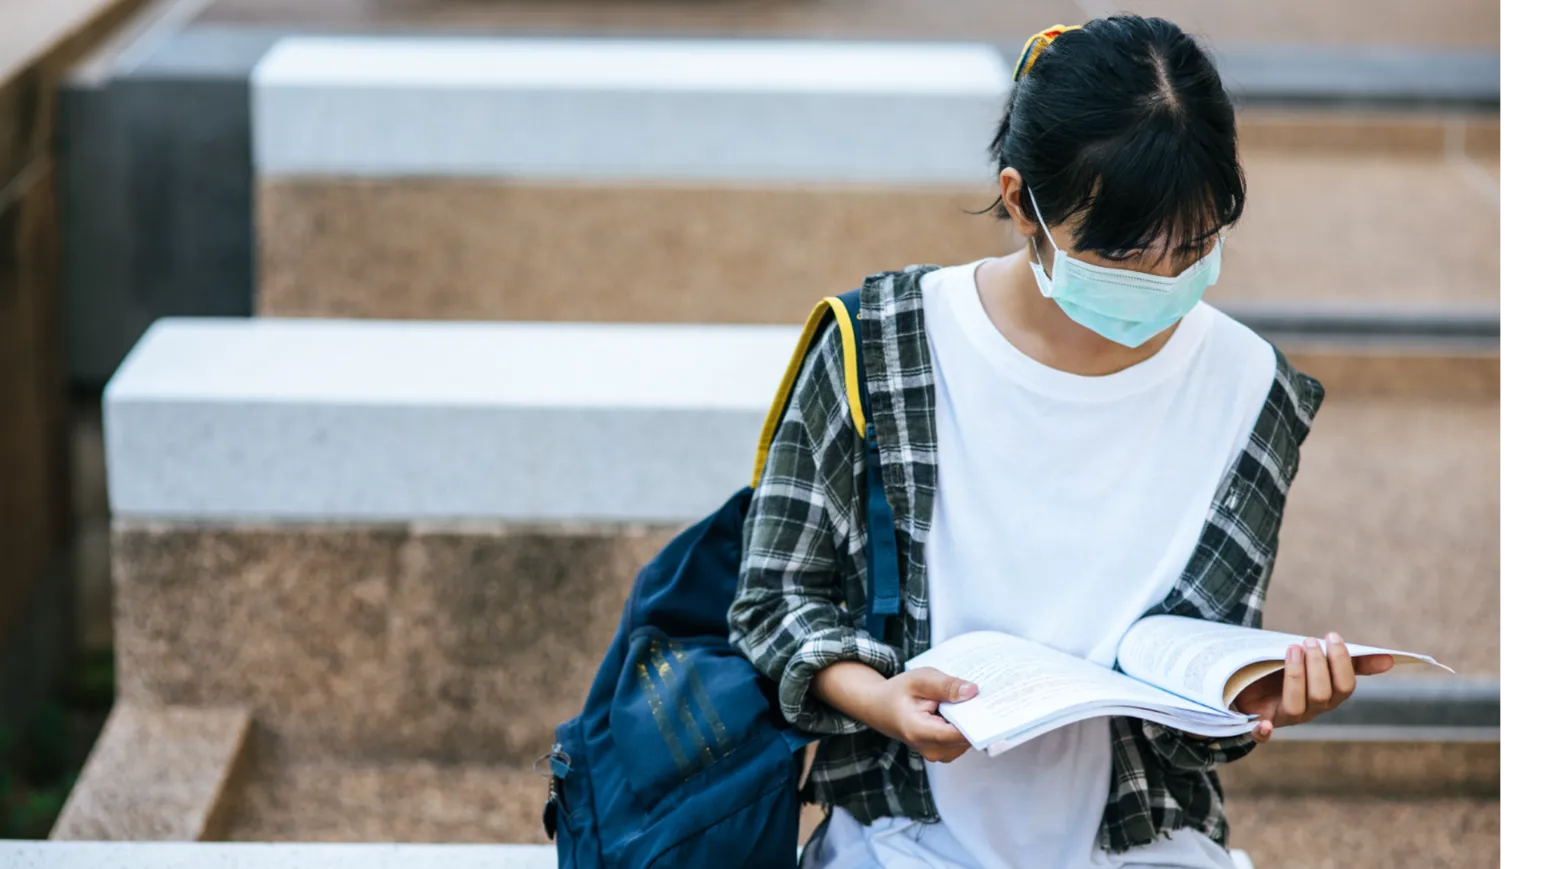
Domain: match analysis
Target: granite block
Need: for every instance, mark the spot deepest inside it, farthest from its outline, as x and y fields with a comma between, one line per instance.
x=160, y=773
x=448, y=249
x=1404, y=770
x=271, y=855
x=295, y=626
x=745, y=111
x=1307, y=131
x=302, y=420
x=499, y=634
x=289, y=799
x=1387, y=22
x=1327, y=832
x=1351, y=228
x=821, y=19
x=1351, y=372
x=1324, y=227
x=474, y=642
x=1405, y=23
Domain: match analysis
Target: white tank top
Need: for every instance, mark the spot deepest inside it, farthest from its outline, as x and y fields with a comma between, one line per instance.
x=1067, y=506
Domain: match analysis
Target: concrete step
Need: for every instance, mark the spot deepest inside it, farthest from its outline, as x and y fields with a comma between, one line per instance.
x=361, y=216
x=429, y=476
x=1330, y=831
x=1429, y=23
x=171, y=102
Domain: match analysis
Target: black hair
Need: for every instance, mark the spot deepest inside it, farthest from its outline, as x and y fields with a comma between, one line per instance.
x=1124, y=126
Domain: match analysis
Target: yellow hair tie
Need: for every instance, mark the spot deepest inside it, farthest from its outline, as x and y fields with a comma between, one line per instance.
x=1037, y=44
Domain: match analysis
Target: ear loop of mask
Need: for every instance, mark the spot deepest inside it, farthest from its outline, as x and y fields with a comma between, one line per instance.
x=1035, y=248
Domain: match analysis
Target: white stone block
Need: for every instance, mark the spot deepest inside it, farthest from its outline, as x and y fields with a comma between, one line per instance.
x=267, y=855
x=317, y=420
x=261, y=855
x=603, y=109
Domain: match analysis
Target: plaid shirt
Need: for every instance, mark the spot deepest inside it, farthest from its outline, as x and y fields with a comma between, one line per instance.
x=800, y=606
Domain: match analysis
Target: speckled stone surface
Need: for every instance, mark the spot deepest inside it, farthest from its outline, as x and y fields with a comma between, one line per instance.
x=1390, y=22
x=619, y=111
x=1356, y=228
x=1391, y=533
x=1391, y=537
x=288, y=800
x=408, y=801
x=1407, y=372
x=271, y=855
x=157, y=773
x=303, y=420
x=465, y=645
x=1345, y=132
x=966, y=19
x=445, y=249
x=1325, y=227
x=1286, y=767
x=1290, y=832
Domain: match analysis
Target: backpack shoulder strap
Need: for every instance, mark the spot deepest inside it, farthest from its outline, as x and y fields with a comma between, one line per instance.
x=884, y=568
x=882, y=565
x=853, y=374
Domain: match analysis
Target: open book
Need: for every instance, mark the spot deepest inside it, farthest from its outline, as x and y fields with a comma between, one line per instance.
x=1180, y=672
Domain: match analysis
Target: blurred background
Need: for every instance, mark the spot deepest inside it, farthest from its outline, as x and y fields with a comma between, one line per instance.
x=446, y=314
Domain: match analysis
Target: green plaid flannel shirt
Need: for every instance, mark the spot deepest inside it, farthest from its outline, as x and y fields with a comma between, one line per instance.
x=800, y=605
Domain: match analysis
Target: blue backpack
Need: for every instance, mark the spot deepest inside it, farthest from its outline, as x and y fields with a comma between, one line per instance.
x=681, y=756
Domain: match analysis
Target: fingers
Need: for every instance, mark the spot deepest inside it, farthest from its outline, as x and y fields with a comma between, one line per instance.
x=1373, y=665
x=930, y=684
x=1262, y=732
x=934, y=730
x=1293, y=703
x=952, y=754
x=937, y=739
x=1343, y=677
x=1317, y=678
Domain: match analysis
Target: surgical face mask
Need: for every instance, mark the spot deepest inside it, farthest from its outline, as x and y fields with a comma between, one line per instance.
x=1123, y=306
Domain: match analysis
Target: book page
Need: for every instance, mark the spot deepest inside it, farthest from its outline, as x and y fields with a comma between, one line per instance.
x=1212, y=663
x=1022, y=684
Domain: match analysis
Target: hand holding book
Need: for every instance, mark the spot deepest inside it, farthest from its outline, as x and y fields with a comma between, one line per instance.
x=1204, y=678
x=1315, y=679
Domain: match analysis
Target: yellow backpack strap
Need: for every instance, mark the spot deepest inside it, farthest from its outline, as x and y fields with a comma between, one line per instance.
x=830, y=306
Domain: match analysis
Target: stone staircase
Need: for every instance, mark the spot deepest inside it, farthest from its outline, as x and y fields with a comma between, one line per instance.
x=494, y=367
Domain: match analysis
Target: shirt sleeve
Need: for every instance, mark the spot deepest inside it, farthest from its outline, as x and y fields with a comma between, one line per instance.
x=788, y=616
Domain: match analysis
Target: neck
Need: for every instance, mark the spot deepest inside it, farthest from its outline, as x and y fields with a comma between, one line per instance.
x=1037, y=327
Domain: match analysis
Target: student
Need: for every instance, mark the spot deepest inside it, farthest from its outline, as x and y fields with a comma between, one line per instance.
x=1070, y=440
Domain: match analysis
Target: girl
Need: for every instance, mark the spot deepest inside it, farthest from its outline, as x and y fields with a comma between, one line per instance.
x=1070, y=440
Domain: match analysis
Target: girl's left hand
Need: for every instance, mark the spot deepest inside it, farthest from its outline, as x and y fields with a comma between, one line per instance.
x=1310, y=683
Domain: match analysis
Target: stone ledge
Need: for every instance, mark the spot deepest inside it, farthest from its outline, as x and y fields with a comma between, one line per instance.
x=377, y=421
x=157, y=773
x=137, y=855
x=374, y=421
x=744, y=110
x=1306, y=767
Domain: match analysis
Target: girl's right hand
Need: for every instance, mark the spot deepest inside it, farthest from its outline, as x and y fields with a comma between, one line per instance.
x=906, y=707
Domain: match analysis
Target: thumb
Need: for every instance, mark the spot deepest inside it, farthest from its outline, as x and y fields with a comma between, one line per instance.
x=931, y=684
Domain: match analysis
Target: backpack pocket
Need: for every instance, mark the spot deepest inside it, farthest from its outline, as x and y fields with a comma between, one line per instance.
x=682, y=706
